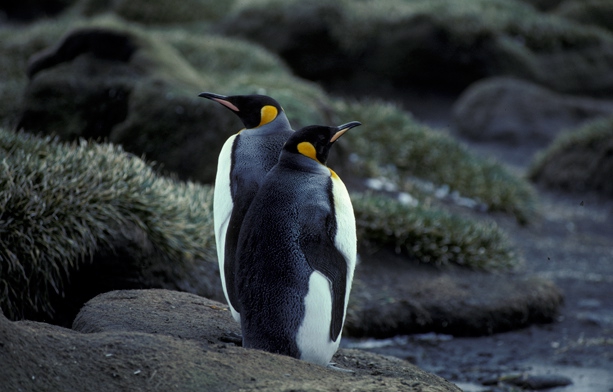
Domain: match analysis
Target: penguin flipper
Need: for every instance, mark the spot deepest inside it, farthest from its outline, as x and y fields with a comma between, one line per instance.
x=230, y=259
x=323, y=256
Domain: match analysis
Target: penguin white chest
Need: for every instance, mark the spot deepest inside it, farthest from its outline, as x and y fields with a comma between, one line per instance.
x=313, y=337
x=222, y=210
x=346, y=237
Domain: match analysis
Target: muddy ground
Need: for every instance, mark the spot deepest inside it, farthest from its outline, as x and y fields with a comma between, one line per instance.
x=571, y=243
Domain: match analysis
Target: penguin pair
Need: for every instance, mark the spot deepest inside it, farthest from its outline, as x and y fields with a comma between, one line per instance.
x=294, y=258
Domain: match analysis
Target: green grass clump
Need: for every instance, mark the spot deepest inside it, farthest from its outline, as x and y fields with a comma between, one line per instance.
x=578, y=160
x=61, y=202
x=431, y=235
x=394, y=145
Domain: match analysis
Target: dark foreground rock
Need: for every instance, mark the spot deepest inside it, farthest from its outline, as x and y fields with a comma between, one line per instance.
x=394, y=296
x=163, y=340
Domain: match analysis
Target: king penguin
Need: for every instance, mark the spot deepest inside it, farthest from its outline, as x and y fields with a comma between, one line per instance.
x=297, y=252
x=245, y=159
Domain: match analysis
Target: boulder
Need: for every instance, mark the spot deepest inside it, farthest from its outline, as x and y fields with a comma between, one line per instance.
x=518, y=112
x=164, y=340
x=395, y=296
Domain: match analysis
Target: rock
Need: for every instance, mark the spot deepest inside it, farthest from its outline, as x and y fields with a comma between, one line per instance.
x=538, y=382
x=165, y=312
x=517, y=112
x=163, y=340
x=394, y=296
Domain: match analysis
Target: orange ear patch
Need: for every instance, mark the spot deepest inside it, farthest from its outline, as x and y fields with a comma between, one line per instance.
x=307, y=149
x=267, y=114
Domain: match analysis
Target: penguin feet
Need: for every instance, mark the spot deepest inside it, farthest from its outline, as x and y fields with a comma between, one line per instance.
x=231, y=337
x=333, y=366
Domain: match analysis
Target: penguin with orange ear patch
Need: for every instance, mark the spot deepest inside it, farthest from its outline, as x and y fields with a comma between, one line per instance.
x=244, y=161
x=297, y=252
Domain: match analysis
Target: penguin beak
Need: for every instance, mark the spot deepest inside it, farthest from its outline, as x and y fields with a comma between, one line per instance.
x=222, y=99
x=344, y=128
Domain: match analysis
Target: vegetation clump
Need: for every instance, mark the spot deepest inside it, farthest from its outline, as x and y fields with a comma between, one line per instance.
x=431, y=235
x=61, y=202
x=578, y=160
x=393, y=145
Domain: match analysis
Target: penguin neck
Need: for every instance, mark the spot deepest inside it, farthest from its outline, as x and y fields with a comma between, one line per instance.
x=280, y=122
x=299, y=162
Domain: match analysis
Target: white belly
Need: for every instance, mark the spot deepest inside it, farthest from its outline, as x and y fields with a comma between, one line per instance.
x=313, y=336
x=222, y=209
x=346, y=238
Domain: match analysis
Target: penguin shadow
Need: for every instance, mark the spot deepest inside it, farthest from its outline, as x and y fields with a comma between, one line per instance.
x=232, y=337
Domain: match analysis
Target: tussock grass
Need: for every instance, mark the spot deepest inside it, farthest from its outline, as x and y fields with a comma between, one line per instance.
x=60, y=202
x=157, y=12
x=394, y=145
x=431, y=235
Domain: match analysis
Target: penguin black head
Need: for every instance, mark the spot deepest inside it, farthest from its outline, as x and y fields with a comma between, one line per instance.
x=253, y=110
x=315, y=141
